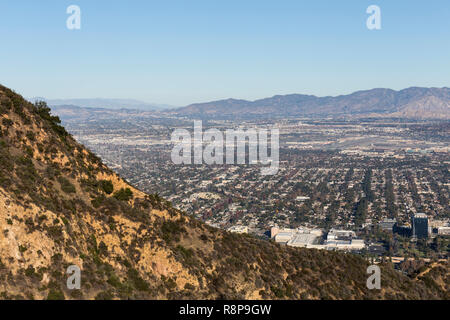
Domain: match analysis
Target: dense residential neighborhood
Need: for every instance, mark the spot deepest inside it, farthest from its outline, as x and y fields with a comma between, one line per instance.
x=348, y=175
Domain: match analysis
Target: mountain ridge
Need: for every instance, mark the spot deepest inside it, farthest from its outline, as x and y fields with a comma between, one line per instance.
x=413, y=102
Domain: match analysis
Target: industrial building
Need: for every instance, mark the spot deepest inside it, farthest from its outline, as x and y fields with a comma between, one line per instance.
x=312, y=239
x=305, y=238
x=284, y=237
x=343, y=240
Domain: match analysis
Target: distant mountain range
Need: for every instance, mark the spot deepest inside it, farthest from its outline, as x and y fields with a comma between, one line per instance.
x=106, y=103
x=410, y=103
x=414, y=102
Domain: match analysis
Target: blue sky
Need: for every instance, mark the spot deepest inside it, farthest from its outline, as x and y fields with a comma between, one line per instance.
x=180, y=52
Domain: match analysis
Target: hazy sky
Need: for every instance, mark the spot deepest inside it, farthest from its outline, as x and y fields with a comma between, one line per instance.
x=180, y=52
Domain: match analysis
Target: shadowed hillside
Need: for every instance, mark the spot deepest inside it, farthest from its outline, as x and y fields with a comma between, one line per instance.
x=60, y=205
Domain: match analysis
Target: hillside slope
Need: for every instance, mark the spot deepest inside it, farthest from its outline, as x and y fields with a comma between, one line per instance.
x=60, y=205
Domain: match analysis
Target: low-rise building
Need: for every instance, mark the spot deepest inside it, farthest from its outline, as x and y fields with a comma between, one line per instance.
x=238, y=229
x=284, y=237
x=305, y=237
x=343, y=240
x=443, y=231
x=387, y=224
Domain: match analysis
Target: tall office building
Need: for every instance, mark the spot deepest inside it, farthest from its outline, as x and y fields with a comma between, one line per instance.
x=420, y=225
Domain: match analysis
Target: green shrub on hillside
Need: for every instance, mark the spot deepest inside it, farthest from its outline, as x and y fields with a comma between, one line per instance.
x=55, y=294
x=7, y=122
x=139, y=283
x=66, y=186
x=44, y=112
x=123, y=194
x=107, y=186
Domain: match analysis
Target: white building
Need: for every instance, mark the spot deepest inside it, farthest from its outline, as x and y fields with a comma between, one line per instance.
x=343, y=240
x=444, y=231
x=284, y=237
x=303, y=240
x=238, y=229
x=311, y=238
